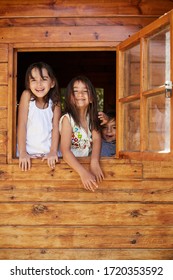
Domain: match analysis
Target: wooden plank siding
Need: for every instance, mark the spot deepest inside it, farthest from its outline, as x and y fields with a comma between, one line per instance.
x=47, y=214
x=98, y=8
x=60, y=219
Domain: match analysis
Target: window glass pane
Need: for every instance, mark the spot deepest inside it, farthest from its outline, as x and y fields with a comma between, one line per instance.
x=159, y=123
x=132, y=71
x=159, y=59
x=132, y=126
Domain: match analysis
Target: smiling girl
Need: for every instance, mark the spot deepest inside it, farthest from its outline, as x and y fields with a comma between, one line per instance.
x=80, y=131
x=38, y=116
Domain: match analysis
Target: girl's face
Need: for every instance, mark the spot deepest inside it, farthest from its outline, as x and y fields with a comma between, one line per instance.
x=38, y=85
x=109, y=131
x=81, y=95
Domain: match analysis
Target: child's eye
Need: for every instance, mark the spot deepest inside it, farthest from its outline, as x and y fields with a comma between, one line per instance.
x=45, y=78
x=32, y=80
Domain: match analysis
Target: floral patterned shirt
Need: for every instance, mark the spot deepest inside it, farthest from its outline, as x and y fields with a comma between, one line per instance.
x=81, y=140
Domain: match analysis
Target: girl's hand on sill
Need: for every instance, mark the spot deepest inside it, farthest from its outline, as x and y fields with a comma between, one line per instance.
x=24, y=161
x=88, y=180
x=52, y=159
x=96, y=170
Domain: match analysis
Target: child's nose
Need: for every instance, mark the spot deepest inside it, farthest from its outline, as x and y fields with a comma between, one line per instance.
x=39, y=82
x=109, y=129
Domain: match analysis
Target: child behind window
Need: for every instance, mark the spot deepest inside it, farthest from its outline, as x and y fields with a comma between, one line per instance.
x=108, y=123
x=38, y=116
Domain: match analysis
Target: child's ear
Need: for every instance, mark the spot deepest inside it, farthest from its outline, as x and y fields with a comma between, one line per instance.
x=53, y=84
x=91, y=100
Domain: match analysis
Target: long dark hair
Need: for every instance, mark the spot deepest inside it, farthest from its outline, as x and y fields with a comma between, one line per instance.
x=53, y=93
x=92, y=107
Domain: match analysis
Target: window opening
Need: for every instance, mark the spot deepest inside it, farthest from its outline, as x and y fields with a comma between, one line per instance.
x=98, y=66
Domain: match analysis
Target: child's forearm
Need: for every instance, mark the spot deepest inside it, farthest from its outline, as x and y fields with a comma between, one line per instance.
x=71, y=160
x=88, y=179
x=96, y=147
x=22, y=141
x=55, y=141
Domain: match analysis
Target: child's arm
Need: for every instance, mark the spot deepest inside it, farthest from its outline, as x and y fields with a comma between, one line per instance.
x=87, y=178
x=52, y=156
x=95, y=156
x=24, y=158
x=103, y=118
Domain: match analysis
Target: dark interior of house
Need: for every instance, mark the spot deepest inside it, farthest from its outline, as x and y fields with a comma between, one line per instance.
x=98, y=66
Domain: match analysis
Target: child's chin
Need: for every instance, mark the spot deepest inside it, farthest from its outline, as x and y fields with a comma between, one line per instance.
x=109, y=140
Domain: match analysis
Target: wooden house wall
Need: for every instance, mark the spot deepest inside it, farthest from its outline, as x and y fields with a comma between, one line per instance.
x=47, y=214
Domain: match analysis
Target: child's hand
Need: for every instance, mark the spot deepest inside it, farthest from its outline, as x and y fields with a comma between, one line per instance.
x=24, y=161
x=103, y=118
x=52, y=159
x=88, y=180
x=96, y=170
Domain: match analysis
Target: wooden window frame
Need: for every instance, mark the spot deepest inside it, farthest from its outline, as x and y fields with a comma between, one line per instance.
x=12, y=83
x=141, y=38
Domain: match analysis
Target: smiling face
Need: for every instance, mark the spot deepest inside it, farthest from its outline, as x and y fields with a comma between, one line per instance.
x=40, y=85
x=109, y=131
x=80, y=95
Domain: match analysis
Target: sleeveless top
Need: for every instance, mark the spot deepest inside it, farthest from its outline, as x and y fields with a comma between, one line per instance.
x=81, y=140
x=39, y=129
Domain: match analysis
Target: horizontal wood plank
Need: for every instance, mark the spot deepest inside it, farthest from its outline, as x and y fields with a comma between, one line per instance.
x=3, y=97
x=66, y=34
x=137, y=237
x=3, y=73
x=3, y=142
x=81, y=9
x=158, y=169
x=62, y=190
x=42, y=171
x=119, y=20
x=86, y=254
x=3, y=52
x=112, y=214
x=3, y=119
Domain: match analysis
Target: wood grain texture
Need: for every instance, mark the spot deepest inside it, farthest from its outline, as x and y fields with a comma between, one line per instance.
x=47, y=214
x=62, y=170
x=86, y=237
x=83, y=8
x=86, y=254
x=88, y=213
x=62, y=190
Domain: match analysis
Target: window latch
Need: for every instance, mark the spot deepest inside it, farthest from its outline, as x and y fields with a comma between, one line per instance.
x=168, y=89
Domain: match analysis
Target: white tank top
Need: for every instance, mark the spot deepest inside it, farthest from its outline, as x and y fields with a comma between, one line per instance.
x=39, y=129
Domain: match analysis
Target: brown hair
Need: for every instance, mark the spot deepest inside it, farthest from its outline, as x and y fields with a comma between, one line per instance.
x=70, y=107
x=53, y=93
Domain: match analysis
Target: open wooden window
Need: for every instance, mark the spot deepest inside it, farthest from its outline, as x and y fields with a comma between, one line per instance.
x=144, y=64
x=98, y=66
x=143, y=109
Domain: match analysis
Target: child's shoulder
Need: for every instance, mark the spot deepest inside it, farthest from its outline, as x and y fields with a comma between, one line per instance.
x=68, y=117
x=25, y=96
x=26, y=93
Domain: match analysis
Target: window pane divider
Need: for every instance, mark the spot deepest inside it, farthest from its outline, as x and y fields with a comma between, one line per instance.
x=154, y=91
x=130, y=98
